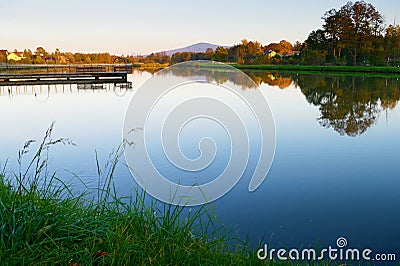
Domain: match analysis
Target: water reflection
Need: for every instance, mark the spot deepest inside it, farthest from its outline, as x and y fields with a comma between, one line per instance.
x=347, y=104
x=43, y=92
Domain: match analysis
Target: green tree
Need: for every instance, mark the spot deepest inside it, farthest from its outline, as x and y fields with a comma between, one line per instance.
x=209, y=53
x=181, y=57
x=331, y=27
x=359, y=24
x=297, y=46
x=249, y=52
x=220, y=55
x=314, y=48
x=392, y=42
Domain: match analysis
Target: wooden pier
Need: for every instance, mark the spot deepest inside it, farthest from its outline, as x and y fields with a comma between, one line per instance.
x=11, y=75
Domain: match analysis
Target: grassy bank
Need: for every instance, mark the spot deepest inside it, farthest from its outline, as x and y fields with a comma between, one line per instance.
x=328, y=69
x=57, y=228
x=45, y=223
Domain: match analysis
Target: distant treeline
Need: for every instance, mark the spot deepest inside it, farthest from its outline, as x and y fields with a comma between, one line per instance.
x=41, y=56
x=353, y=35
x=246, y=52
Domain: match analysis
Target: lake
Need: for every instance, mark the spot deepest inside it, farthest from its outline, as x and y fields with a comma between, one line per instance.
x=336, y=167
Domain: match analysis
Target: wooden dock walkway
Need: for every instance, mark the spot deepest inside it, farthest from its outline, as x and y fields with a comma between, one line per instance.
x=11, y=75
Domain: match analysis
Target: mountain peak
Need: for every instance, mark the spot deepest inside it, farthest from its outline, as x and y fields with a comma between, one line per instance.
x=199, y=47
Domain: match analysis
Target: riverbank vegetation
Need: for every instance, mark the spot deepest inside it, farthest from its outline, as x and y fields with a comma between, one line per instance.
x=54, y=227
x=43, y=222
x=313, y=68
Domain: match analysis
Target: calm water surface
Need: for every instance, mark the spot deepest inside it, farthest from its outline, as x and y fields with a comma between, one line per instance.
x=336, y=167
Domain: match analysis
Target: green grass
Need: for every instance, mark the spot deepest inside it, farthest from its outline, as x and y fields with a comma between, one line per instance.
x=337, y=69
x=45, y=223
x=53, y=229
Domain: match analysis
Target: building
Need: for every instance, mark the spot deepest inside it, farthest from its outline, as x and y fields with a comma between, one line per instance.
x=291, y=53
x=16, y=56
x=270, y=53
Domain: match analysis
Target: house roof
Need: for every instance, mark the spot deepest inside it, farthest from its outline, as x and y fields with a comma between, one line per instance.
x=20, y=54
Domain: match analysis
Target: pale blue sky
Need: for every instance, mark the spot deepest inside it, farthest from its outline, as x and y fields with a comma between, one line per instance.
x=133, y=27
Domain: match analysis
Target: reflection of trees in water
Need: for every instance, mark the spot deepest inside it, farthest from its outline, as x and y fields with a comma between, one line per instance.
x=347, y=116
x=273, y=79
x=220, y=76
x=224, y=75
x=150, y=70
x=349, y=105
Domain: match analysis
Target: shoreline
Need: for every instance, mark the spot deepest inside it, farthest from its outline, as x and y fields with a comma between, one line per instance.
x=323, y=69
x=383, y=72
x=304, y=69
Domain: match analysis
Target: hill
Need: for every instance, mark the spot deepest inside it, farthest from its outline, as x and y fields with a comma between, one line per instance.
x=200, y=47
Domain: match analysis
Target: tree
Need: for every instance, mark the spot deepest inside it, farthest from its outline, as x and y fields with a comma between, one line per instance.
x=312, y=57
x=220, y=55
x=317, y=40
x=27, y=57
x=297, y=46
x=40, y=54
x=40, y=51
x=392, y=42
x=331, y=26
x=314, y=49
x=3, y=56
x=57, y=55
x=276, y=47
x=209, y=53
x=280, y=48
x=285, y=47
x=359, y=24
x=249, y=52
x=181, y=57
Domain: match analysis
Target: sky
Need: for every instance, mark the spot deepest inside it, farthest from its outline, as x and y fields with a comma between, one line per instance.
x=141, y=27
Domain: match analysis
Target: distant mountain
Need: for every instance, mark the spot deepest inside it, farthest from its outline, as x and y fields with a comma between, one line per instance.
x=200, y=47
